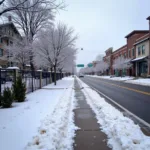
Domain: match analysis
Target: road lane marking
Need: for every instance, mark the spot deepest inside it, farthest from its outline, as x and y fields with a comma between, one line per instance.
x=123, y=108
x=130, y=89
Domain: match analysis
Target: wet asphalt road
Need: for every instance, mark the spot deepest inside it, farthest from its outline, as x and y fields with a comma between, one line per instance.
x=135, y=98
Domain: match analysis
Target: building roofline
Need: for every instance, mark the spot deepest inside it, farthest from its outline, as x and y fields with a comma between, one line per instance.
x=143, y=40
x=11, y=24
x=123, y=47
x=148, y=18
x=142, y=36
x=111, y=48
x=136, y=31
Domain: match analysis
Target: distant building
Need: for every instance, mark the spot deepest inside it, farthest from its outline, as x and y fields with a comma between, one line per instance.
x=8, y=32
x=137, y=50
x=108, y=59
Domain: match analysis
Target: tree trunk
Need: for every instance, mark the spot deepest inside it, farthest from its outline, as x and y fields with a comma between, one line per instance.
x=54, y=75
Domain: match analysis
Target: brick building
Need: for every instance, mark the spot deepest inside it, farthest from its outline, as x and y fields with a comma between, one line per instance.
x=131, y=50
x=142, y=53
x=137, y=50
x=108, y=58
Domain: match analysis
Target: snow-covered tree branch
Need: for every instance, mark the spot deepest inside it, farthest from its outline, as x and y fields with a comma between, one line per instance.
x=54, y=46
x=38, y=15
x=21, y=5
x=20, y=51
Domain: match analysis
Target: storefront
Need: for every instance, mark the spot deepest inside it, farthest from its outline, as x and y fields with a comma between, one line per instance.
x=141, y=66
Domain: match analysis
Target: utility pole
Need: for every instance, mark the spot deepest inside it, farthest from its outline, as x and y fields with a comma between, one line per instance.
x=149, y=48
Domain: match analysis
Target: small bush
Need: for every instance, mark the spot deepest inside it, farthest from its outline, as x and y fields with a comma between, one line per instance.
x=19, y=90
x=6, y=98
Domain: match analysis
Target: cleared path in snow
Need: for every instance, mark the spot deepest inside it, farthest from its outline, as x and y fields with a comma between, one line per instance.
x=88, y=136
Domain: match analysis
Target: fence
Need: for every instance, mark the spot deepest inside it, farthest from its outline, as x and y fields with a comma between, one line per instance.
x=33, y=79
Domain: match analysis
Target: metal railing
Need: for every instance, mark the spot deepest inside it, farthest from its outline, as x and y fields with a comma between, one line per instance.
x=34, y=80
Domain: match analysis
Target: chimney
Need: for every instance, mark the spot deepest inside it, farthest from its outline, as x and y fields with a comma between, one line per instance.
x=9, y=18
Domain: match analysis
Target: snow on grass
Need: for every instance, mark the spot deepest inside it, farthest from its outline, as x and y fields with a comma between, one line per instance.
x=65, y=82
x=20, y=123
x=113, y=78
x=122, y=133
x=140, y=82
x=58, y=129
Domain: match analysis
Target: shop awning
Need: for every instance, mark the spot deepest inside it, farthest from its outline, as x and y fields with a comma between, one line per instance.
x=140, y=58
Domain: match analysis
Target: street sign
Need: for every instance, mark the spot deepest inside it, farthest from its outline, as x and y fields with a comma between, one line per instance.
x=90, y=65
x=80, y=65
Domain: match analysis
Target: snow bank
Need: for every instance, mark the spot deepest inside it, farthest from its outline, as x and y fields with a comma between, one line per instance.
x=17, y=68
x=140, y=82
x=113, y=78
x=122, y=133
x=19, y=124
x=58, y=129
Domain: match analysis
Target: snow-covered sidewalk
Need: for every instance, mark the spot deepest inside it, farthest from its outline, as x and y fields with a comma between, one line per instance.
x=44, y=121
x=145, y=82
x=113, y=78
x=122, y=132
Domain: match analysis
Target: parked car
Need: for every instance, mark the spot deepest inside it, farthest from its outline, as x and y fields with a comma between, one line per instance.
x=81, y=75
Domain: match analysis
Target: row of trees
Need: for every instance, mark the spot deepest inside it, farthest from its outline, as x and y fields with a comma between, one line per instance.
x=43, y=44
x=100, y=67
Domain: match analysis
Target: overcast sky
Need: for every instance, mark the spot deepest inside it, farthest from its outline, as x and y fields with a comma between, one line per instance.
x=101, y=24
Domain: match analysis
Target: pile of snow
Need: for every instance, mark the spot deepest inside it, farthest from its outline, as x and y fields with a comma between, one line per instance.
x=17, y=68
x=114, y=78
x=21, y=122
x=122, y=133
x=140, y=82
x=58, y=129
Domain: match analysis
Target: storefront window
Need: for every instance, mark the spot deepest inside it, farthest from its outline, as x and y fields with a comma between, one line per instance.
x=143, y=67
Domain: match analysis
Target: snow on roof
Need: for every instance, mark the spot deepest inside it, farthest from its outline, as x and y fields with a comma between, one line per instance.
x=28, y=65
x=38, y=70
x=17, y=68
x=136, y=59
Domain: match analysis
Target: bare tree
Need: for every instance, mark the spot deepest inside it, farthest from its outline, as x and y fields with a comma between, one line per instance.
x=11, y=5
x=54, y=46
x=99, y=57
x=122, y=63
x=15, y=5
x=19, y=51
x=38, y=15
x=66, y=61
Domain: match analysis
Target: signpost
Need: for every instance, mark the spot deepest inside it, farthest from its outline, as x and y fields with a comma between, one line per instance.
x=90, y=65
x=80, y=65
